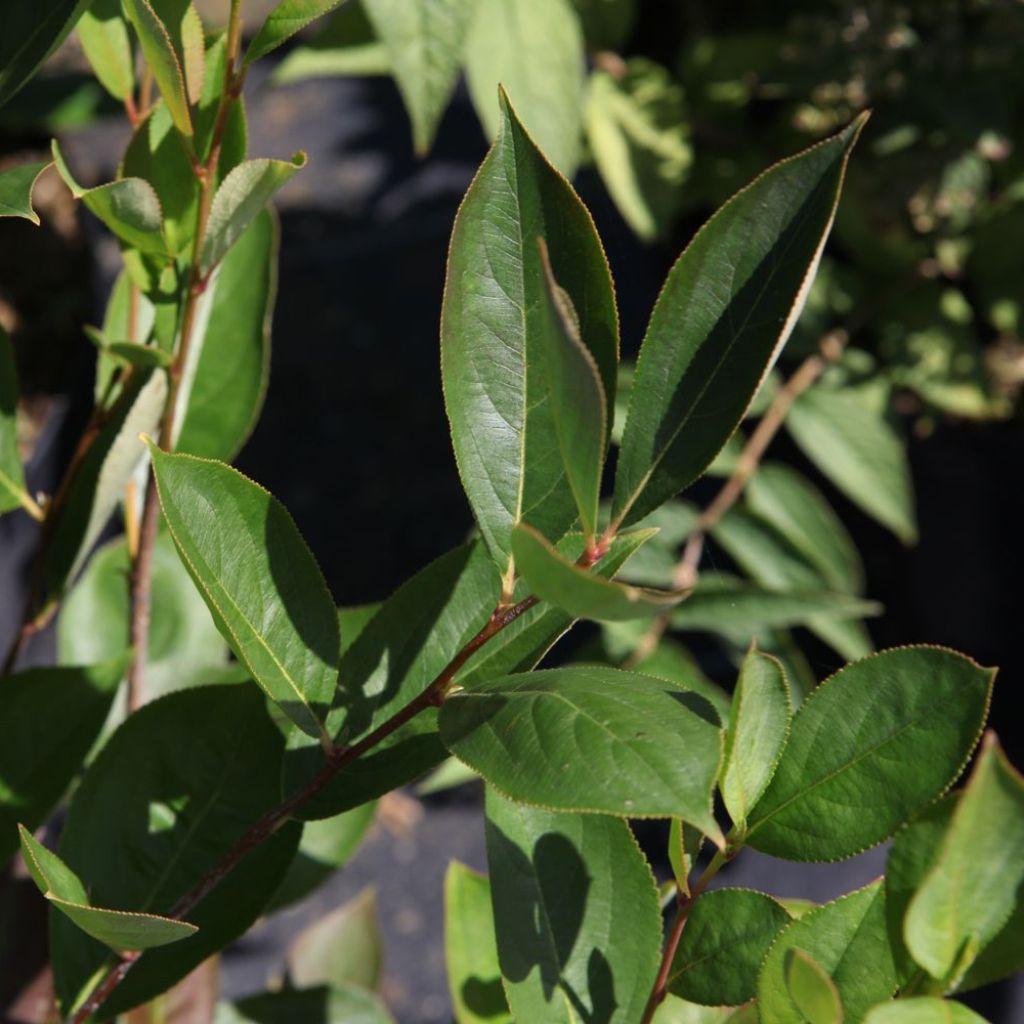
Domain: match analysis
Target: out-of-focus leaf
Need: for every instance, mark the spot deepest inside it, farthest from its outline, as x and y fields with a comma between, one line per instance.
x=103, y=33
x=12, y=475
x=325, y=1004
x=606, y=23
x=16, y=184
x=547, y=89
x=813, y=992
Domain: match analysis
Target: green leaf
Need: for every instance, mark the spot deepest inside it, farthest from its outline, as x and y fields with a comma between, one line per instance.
x=345, y=45
x=103, y=33
x=128, y=206
x=325, y=1004
x=166, y=60
x=724, y=604
x=31, y=33
x=727, y=934
x=911, y=717
x=259, y=579
x=591, y=739
x=1003, y=957
x=677, y=1011
x=580, y=592
x=786, y=500
x=284, y=21
x=471, y=951
x=578, y=402
x=230, y=360
x=922, y=1010
x=547, y=89
x=606, y=23
x=339, y=948
x=98, y=486
x=12, y=475
x=171, y=792
x=671, y=661
x=856, y=448
x=119, y=929
x=758, y=729
x=496, y=326
x=847, y=939
x=684, y=843
x=812, y=991
x=326, y=846
x=234, y=140
x=241, y=197
x=576, y=914
x=16, y=185
x=637, y=130
x=721, y=320
x=424, y=46
x=59, y=713
x=971, y=890
x=185, y=646
x=143, y=357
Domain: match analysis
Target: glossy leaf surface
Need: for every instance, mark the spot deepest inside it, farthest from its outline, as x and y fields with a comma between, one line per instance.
x=910, y=718
x=577, y=937
x=495, y=326
x=724, y=314
x=259, y=579
x=31, y=33
x=16, y=184
x=590, y=739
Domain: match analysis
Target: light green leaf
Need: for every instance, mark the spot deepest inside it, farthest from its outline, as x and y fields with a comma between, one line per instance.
x=16, y=185
x=813, y=992
x=185, y=647
x=580, y=592
x=678, y=1011
x=59, y=713
x=787, y=501
x=259, y=579
x=122, y=322
x=103, y=33
x=143, y=357
x=576, y=913
x=758, y=729
x=332, y=1004
x=636, y=127
x=494, y=333
x=339, y=948
x=721, y=320
x=911, y=717
x=32, y=31
x=1003, y=957
x=847, y=939
x=547, y=89
x=591, y=739
x=346, y=45
x=684, y=843
x=226, y=377
x=578, y=402
x=284, y=21
x=239, y=200
x=12, y=475
x=119, y=929
x=724, y=604
x=98, y=486
x=971, y=890
x=161, y=41
x=859, y=452
x=424, y=46
x=922, y=1010
x=128, y=206
x=471, y=952
x=449, y=774
x=727, y=934
x=172, y=791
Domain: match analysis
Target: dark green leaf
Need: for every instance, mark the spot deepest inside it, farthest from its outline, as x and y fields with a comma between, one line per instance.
x=759, y=726
x=847, y=939
x=424, y=46
x=923, y=1010
x=581, y=593
x=31, y=33
x=911, y=717
x=287, y=18
x=727, y=934
x=813, y=992
x=103, y=33
x=16, y=184
x=972, y=888
x=54, y=716
x=230, y=359
x=118, y=929
x=322, y=1005
x=576, y=911
x=606, y=23
x=259, y=579
x=726, y=310
x=591, y=739
x=471, y=952
x=171, y=792
x=671, y=661
x=493, y=323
